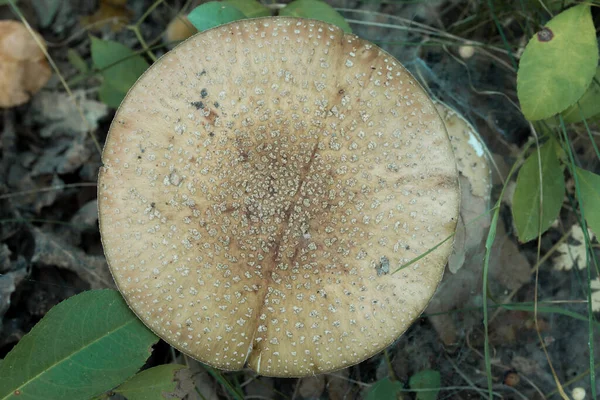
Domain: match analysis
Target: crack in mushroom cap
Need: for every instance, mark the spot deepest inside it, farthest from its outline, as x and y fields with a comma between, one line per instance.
x=260, y=184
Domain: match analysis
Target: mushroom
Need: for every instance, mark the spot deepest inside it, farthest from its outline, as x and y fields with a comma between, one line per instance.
x=23, y=67
x=262, y=182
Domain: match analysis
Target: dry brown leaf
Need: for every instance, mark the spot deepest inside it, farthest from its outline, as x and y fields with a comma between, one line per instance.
x=180, y=28
x=509, y=267
x=113, y=13
x=23, y=68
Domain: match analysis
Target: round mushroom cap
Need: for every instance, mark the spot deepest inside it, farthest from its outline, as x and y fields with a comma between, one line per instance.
x=260, y=185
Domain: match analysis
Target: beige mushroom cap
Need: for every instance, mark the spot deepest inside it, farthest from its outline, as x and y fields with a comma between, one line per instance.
x=261, y=182
x=23, y=67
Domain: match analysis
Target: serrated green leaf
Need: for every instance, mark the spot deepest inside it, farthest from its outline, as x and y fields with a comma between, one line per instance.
x=588, y=106
x=315, y=9
x=119, y=65
x=250, y=8
x=558, y=64
x=589, y=187
x=84, y=346
x=214, y=13
x=152, y=384
x=526, y=199
x=427, y=379
x=384, y=389
x=76, y=61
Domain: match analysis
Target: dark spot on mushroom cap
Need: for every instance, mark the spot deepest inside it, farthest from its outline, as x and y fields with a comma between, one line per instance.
x=203, y=93
x=198, y=104
x=545, y=35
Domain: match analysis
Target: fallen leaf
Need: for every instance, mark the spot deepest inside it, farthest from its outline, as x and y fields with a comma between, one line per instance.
x=572, y=254
x=4, y=258
x=58, y=113
x=8, y=284
x=51, y=251
x=179, y=29
x=338, y=385
x=312, y=387
x=475, y=185
x=259, y=386
x=23, y=67
x=113, y=13
x=196, y=383
x=595, y=286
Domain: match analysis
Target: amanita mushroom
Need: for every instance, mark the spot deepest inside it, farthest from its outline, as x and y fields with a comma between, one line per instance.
x=262, y=182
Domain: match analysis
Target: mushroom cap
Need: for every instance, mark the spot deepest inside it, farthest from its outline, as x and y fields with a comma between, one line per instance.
x=261, y=183
x=23, y=66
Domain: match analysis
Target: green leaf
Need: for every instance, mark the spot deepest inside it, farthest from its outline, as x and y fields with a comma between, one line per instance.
x=110, y=96
x=76, y=61
x=427, y=379
x=384, y=389
x=250, y=8
x=315, y=9
x=119, y=65
x=46, y=10
x=589, y=187
x=84, y=346
x=558, y=64
x=152, y=384
x=588, y=106
x=214, y=13
x=526, y=199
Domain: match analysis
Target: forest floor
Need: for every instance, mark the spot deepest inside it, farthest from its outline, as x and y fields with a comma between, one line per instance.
x=50, y=245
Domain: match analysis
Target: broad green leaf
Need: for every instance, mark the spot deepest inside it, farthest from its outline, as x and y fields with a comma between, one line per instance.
x=84, y=346
x=526, y=199
x=214, y=13
x=427, y=379
x=588, y=106
x=119, y=65
x=110, y=96
x=46, y=10
x=589, y=186
x=315, y=9
x=76, y=61
x=384, y=389
x=558, y=64
x=152, y=384
x=250, y=8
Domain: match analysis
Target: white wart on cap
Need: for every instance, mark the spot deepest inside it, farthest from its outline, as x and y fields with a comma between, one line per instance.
x=261, y=182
